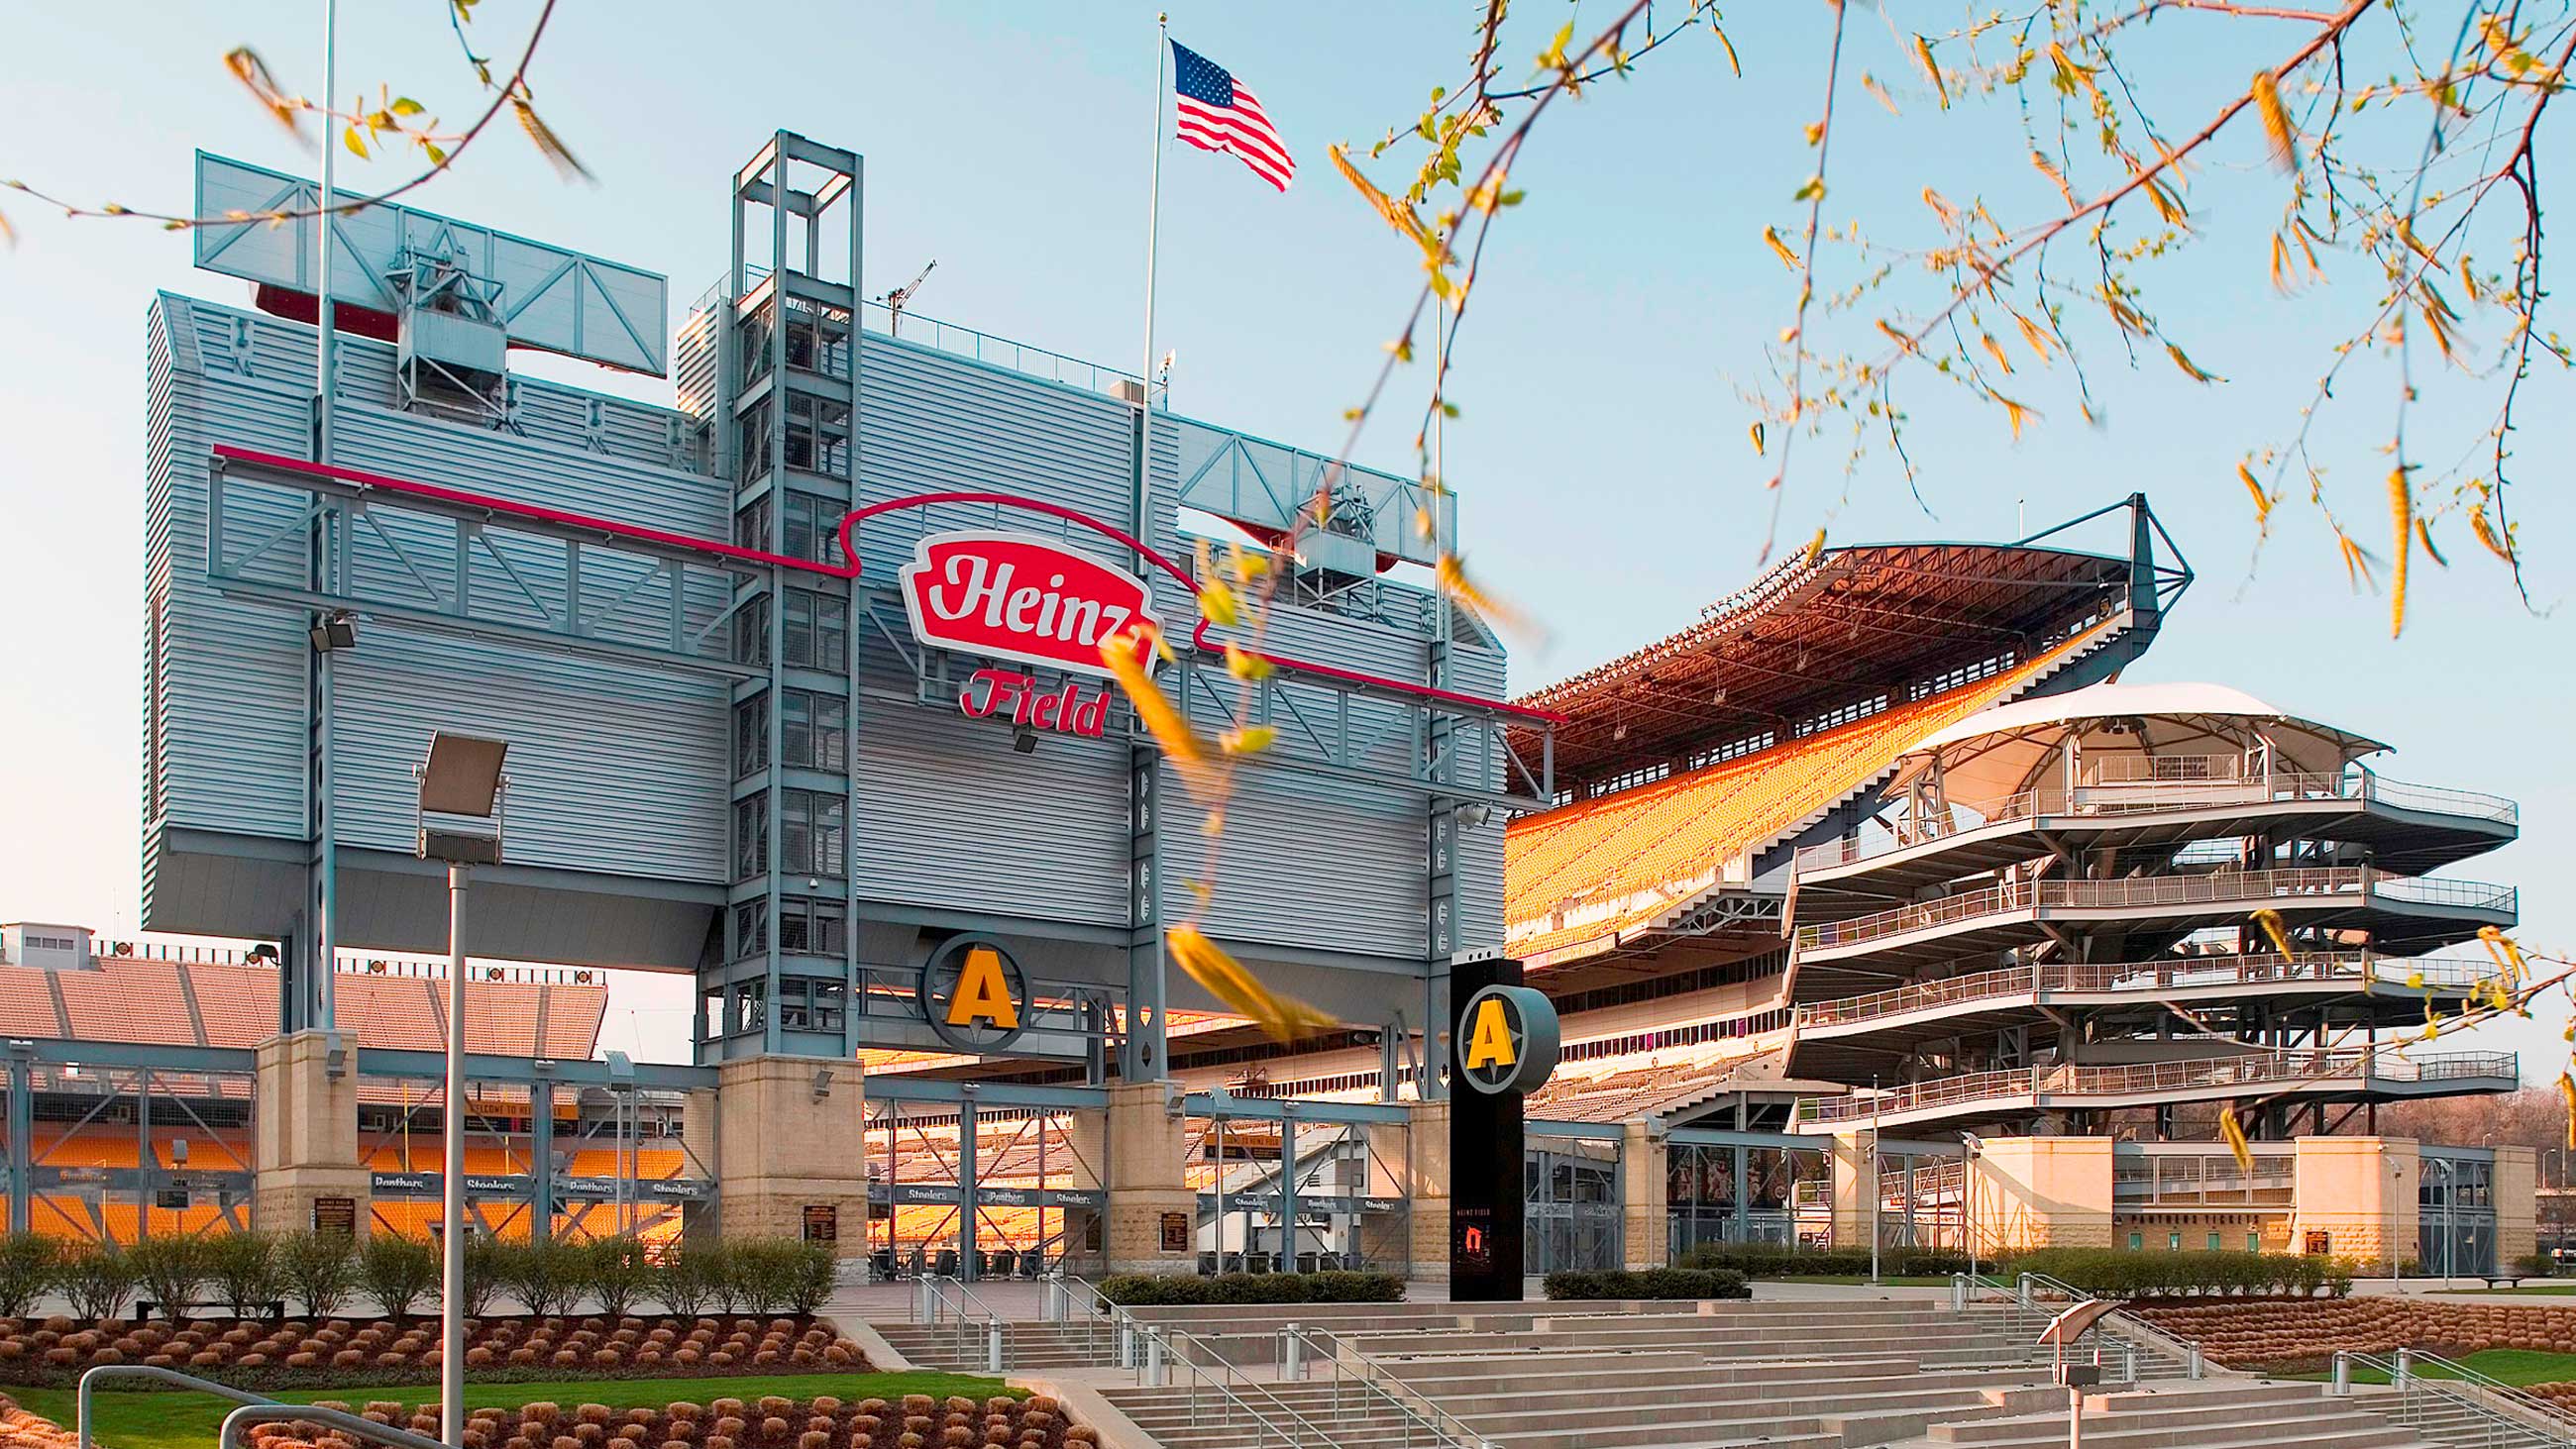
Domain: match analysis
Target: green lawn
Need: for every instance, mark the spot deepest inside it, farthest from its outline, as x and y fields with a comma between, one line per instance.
x=2535, y=1290
x=2506, y=1365
x=167, y=1419
x=1858, y=1280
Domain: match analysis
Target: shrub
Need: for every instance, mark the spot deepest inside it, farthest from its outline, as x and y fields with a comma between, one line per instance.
x=1656, y=1283
x=98, y=1280
x=318, y=1269
x=2535, y=1265
x=1157, y=1289
x=171, y=1271
x=245, y=1270
x=546, y=1278
x=397, y=1272
x=682, y=1280
x=487, y=1271
x=1763, y=1260
x=2112, y=1273
x=767, y=1273
x=811, y=1277
x=30, y=1264
x=617, y=1273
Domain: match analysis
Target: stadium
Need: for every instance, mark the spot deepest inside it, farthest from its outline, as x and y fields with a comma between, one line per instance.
x=1872, y=905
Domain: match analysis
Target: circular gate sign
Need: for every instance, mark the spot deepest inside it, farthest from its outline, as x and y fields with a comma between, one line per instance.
x=1507, y=1039
x=974, y=994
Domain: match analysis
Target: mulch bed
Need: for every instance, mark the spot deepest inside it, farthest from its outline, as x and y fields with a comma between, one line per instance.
x=267, y=1354
x=2303, y=1335
x=769, y=1423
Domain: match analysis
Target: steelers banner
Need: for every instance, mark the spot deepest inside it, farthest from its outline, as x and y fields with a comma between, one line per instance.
x=1508, y=1040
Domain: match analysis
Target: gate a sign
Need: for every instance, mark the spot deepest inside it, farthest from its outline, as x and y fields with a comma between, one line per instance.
x=1509, y=1041
x=974, y=994
x=1018, y=596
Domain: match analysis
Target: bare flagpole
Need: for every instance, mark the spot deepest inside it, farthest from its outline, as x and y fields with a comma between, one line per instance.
x=1154, y=207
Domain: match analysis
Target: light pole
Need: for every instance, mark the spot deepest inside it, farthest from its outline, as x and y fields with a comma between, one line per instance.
x=459, y=822
x=1876, y=1189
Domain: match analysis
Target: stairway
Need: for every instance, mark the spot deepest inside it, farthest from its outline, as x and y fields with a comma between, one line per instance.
x=2212, y=1414
x=1028, y=1346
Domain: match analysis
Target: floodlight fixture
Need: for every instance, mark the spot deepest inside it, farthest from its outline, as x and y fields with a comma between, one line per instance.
x=461, y=790
x=335, y=630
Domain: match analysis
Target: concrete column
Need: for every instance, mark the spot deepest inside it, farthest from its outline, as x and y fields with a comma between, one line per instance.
x=2517, y=1205
x=698, y=1150
x=789, y=1135
x=1645, y=1227
x=306, y=1133
x=2041, y=1192
x=2355, y=1198
x=1410, y=1160
x=1136, y=1151
x=1852, y=1188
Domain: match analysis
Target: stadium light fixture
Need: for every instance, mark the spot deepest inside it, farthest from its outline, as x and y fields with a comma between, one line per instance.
x=335, y=630
x=459, y=822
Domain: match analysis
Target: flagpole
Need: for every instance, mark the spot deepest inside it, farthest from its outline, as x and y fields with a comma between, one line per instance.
x=1154, y=215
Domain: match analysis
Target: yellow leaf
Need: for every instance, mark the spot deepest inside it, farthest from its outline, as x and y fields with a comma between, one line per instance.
x=1879, y=93
x=8, y=233
x=2190, y=368
x=1216, y=597
x=1395, y=213
x=1780, y=248
x=351, y=138
x=1756, y=433
x=2270, y=921
x=2401, y=512
x=2276, y=121
x=1931, y=69
x=2486, y=535
x=1250, y=740
x=549, y=145
x=252, y=72
x=1283, y=1018
x=2262, y=500
x=1816, y=546
x=2014, y=413
x=1152, y=706
x=2234, y=1133
x=2567, y=1095
x=1452, y=575
x=1995, y=350
x=1243, y=664
x=2031, y=336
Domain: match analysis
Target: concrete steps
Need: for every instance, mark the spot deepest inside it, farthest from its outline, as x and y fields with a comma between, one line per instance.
x=2222, y=1415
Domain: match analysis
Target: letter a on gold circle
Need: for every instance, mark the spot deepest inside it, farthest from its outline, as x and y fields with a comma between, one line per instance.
x=981, y=992
x=1490, y=1043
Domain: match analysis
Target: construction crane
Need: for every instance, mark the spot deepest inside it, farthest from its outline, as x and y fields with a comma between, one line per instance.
x=896, y=299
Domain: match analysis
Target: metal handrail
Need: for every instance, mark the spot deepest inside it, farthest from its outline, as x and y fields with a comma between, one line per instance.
x=2106, y=795
x=255, y=1408
x=2158, y=975
x=2459, y=1385
x=2135, y=1337
x=2250, y=1068
x=237, y=1425
x=934, y=1289
x=2199, y=888
x=1445, y=1428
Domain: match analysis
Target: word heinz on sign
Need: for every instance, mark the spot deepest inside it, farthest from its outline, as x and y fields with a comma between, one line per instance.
x=1071, y=710
x=1017, y=596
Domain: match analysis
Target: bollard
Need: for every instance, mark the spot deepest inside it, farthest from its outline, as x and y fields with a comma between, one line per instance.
x=2194, y=1367
x=1154, y=1361
x=921, y=1300
x=1126, y=1344
x=2128, y=1361
x=2342, y=1384
x=1292, y=1354
x=993, y=1347
x=1958, y=1292
x=2405, y=1367
x=2021, y=1289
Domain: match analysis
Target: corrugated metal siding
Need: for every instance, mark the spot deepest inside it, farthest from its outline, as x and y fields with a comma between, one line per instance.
x=951, y=817
x=1479, y=871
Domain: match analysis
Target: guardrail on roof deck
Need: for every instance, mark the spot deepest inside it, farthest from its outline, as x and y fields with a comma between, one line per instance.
x=2120, y=797
x=2251, y=1069
x=2205, y=888
x=2148, y=977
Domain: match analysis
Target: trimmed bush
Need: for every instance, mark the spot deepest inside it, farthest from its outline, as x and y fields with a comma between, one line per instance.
x=1150, y=1290
x=617, y=1273
x=245, y=1271
x=397, y=1272
x=171, y=1270
x=99, y=1281
x=1654, y=1283
x=2535, y=1265
x=2112, y=1273
x=683, y=1280
x=30, y=1264
x=318, y=1269
x=1761, y=1260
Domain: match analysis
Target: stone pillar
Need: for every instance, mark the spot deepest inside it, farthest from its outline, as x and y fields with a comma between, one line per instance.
x=305, y=1153
x=790, y=1133
x=1645, y=1227
x=2041, y=1192
x=698, y=1113
x=1410, y=1160
x=2355, y=1198
x=1852, y=1189
x=2517, y=1205
x=1137, y=1150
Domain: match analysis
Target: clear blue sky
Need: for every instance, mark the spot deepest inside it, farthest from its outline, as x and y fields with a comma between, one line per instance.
x=1605, y=481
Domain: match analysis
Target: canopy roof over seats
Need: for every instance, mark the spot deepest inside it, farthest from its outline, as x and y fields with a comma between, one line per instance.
x=2002, y=751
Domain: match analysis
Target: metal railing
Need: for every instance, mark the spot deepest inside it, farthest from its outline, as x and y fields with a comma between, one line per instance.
x=2159, y=976
x=2111, y=791
x=254, y=1409
x=2211, y=888
x=2142, y=1349
x=2253, y=1068
x=2458, y=1405
x=973, y=1330
x=1303, y=1345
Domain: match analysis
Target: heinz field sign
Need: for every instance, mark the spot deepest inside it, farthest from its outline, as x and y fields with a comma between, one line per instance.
x=1018, y=596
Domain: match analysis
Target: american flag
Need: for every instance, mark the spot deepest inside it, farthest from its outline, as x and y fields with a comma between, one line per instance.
x=1217, y=113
